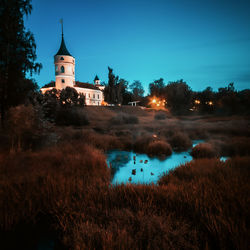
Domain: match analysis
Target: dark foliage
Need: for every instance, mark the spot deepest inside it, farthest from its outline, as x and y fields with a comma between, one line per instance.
x=116, y=89
x=17, y=54
x=178, y=95
x=71, y=116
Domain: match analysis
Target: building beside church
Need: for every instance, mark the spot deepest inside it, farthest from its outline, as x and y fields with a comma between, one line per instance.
x=65, y=77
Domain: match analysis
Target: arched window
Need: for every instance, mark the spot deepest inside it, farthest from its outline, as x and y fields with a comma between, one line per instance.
x=61, y=58
x=63, y=81
x=62, y=69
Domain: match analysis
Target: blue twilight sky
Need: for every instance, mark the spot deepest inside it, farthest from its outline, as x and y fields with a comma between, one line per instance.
x=204, y=42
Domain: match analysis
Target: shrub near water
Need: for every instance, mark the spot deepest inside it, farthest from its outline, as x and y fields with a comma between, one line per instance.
x=203, y=150
x=180, y=141
x=151, y=146
x=142, y=142
x=159, y=148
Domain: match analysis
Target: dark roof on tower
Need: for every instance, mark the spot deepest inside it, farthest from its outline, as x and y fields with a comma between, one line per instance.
x=96, y=78
x=63, y=50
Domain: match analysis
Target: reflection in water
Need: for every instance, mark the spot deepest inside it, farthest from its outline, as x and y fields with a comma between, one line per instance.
x=143, y=169
x=119, y=159
x=130, y=167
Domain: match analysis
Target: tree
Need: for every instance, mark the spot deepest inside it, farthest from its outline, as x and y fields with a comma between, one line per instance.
x=229, y=101
x=17, y=54
x=121, y=90
x=137, y=90
x=69, y=97
x=179, y=96
x=116, y=88
x=156, y=88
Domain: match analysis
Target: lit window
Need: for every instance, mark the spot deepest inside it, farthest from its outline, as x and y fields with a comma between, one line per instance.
x=62, y=69
x=61, y=58
x=63, y=81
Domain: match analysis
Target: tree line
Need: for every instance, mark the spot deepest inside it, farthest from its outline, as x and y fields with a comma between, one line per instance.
x=178, y=96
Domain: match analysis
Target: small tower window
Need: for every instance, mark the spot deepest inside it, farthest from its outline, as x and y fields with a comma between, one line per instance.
x=62, y=69
x=63, y=81
x=61, y=58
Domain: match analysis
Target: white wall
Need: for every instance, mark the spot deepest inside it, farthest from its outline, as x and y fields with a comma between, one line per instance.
x=92, y=96
x=68, y=76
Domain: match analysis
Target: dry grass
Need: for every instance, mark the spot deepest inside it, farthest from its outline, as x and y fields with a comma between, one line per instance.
x=216, y=196
x=65, y=190
x=123, y=118
x=203, y=204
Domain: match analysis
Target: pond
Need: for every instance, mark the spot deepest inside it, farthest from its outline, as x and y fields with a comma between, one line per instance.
x=140, y=168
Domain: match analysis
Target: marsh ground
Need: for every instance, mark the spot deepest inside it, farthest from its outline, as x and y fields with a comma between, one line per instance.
x=61, y=188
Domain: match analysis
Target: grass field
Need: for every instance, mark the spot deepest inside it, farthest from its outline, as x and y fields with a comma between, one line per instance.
x=60, y=189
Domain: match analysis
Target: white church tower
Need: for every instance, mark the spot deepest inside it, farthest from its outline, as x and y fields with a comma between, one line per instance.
x=64, y=67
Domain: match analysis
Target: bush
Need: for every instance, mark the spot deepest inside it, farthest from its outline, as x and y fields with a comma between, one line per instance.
x=141, y=143
x=204, y=150
x=71, y=116
x=159, y=148
x=237, y=146
x=180, y=141
x=123, y=118
x=160, y=116
x=101, y=141
x=24, y=128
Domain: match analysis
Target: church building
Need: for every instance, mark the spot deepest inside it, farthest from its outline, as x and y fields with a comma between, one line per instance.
x=65, y=77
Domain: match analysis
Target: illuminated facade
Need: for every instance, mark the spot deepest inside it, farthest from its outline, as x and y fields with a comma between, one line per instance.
x=65, y=77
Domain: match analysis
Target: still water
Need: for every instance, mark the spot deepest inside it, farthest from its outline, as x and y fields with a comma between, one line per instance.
x=140, y=168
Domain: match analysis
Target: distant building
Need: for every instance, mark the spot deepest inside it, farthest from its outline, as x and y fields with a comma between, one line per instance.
x=65, y=77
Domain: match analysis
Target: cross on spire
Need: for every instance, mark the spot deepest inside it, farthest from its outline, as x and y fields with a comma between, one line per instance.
x=61, y=21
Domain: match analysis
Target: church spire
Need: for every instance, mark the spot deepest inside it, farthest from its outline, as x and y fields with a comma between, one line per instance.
x=61, y=21
x=63, y=50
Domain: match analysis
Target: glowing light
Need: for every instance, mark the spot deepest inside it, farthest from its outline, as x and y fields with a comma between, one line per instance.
x=210, y=103
x=153, y=101
x=104, y=103
x=197, y=101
